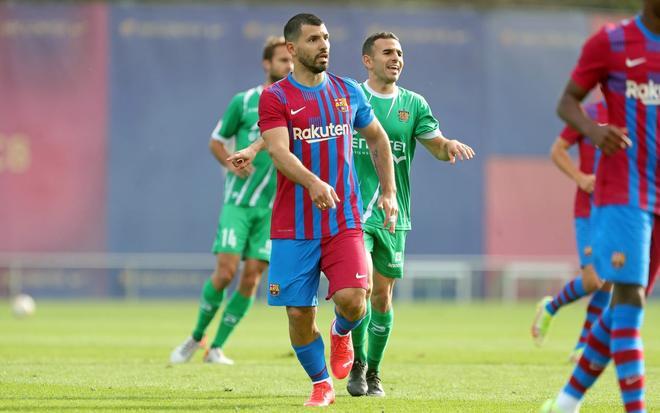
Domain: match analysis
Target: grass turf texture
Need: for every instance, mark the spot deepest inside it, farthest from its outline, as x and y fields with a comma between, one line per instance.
x=113, y=356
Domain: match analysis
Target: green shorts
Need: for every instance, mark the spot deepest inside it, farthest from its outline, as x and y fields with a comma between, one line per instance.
x=387, y=250
x=244, y=231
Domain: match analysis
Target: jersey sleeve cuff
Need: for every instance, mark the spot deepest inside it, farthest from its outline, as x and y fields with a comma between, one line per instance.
x=367, y=123
x=430, y=135
x=222, y=139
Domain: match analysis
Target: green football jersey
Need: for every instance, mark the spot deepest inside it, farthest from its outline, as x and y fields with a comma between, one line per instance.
x=238, y=128
x=405, y=116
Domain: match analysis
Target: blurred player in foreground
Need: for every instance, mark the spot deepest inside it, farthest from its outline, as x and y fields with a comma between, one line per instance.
x=244, y=224
x=407, y=119
x=588, y=282
x=307, y=122
x=623, y=59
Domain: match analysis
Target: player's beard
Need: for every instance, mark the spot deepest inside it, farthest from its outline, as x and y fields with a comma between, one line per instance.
x=310, y=63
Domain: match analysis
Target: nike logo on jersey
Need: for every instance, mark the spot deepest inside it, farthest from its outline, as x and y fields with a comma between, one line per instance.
x=399, y=159
x=358, y=276
x=635, y=62
x=293, y=112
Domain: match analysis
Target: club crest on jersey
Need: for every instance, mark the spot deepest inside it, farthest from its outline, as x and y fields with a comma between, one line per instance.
x=618, y=260
x=341, y=104
x=404, y=115
x=274, y=289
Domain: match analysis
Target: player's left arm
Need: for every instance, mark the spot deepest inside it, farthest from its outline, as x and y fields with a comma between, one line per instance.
x=445, y=149
x=427, y=131
x=381, y=156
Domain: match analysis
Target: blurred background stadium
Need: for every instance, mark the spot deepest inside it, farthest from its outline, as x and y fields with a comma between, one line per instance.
x=108, y=193
x=109, y=190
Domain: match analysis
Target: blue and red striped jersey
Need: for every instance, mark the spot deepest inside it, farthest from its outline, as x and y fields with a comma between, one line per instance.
x=320, y=121
x=625, y=60
x=587, y=153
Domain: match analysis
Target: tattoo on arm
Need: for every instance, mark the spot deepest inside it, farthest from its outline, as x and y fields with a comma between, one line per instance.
x=375, y=157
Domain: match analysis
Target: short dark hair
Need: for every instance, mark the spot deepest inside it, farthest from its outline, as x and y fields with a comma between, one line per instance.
x=271, y=44
x=292, y=28
x=368, y=45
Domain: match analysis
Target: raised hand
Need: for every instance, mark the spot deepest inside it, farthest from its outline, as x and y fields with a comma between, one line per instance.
x=456, y=149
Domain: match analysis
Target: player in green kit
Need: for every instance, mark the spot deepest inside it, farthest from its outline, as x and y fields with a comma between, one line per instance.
x=244, y=224
x=407, y=118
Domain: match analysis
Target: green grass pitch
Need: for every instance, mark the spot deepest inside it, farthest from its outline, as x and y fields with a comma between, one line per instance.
x=113, y=357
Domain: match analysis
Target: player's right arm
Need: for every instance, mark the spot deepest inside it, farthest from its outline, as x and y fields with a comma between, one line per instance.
x=277, y=142
x=561, y=158
x=590, y=70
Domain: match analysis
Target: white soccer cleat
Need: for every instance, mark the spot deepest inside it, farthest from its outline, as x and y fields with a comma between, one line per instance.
x=216, y=356
x=185, y=351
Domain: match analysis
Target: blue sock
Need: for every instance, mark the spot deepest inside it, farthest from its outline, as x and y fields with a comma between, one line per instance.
x=573, y=290
x=343, y=326
x=628, y=355
x=599, y=301
x=594, y=359
x=312, y=358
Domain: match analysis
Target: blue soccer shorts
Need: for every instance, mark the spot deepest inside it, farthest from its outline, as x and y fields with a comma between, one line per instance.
x=583, y=240
x=622, y=238
x=296, y=265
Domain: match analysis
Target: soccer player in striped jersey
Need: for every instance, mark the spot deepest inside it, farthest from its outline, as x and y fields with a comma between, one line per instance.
x=588, y=281
x=244, y=223
x=407, y=119
x=307, y=122
x=624, y=59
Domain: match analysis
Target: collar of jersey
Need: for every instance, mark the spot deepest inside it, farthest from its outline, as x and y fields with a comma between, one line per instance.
x=308, y=88
x=382, y=95
x=647, y=33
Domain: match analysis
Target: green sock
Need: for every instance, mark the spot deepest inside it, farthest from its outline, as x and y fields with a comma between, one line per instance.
x=208, y=306
x=237, y=307
x=359, y=335
x=380, y=327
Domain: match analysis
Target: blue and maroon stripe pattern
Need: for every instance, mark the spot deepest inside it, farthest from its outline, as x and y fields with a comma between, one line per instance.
x=631, y=88
x=628, y=354
x=599, y=301
x=595, y=358
x=573, y=290
x=336, y=102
